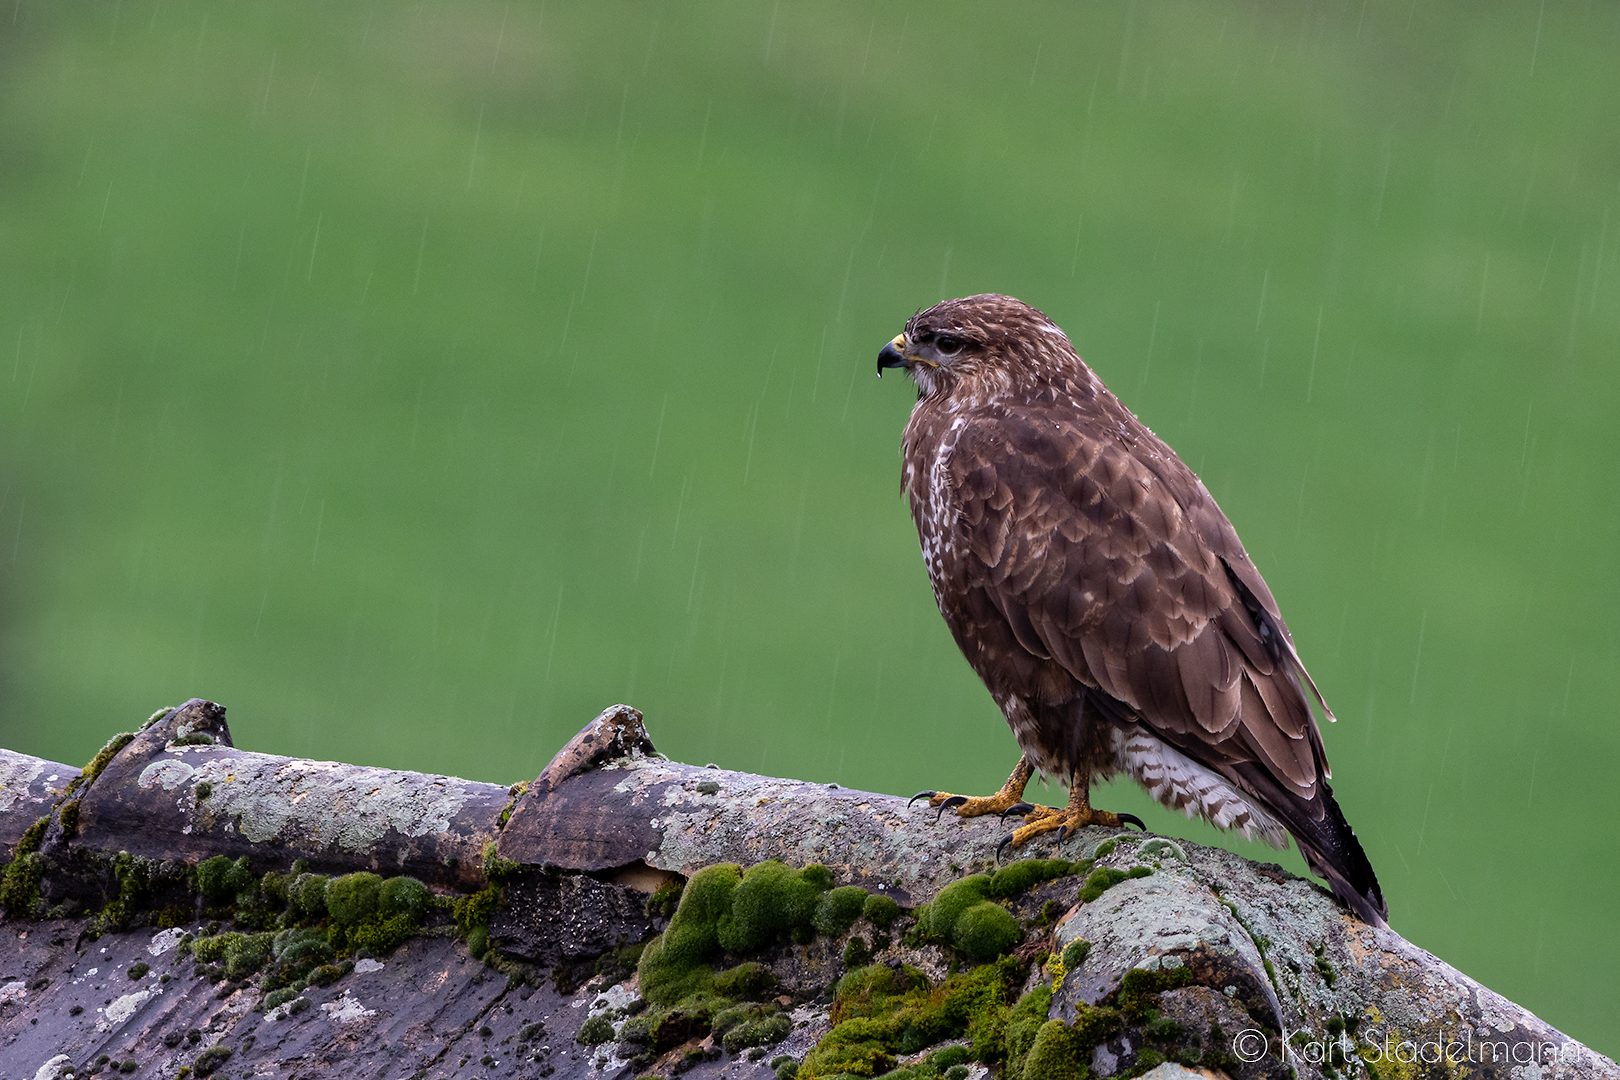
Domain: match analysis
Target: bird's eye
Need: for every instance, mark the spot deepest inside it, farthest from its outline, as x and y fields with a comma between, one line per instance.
x=949, y=344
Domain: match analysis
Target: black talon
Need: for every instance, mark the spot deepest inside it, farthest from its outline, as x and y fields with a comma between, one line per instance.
x=921, y=795
x=953, y=801
x=1017, y=808
x=1005, y=840
x=1131, y=819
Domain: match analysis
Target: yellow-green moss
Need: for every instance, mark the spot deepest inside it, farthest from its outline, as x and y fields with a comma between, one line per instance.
x=474, y=910
x=516, y=792
x=880, y=910
x=674, y=964
x=103, y=757
x=884, y=1014
x=497, y=869
x=19, y=885
x=219, y=878
x=403, y=895
x=69, y=817
x=838, y=909
x=352, y=898
x=1105, y=878
x=665, y=899
x=963, y=916
x=772, y=901
x=1025, y=874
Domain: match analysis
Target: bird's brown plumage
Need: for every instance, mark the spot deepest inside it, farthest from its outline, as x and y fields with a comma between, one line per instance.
x=1100, y=593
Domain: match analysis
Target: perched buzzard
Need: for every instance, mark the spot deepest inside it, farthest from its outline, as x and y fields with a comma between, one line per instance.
x=1103, y=597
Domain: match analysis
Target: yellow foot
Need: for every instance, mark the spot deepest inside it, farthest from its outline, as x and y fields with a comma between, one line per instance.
x=971, y=806
x=1045, y=819
x=1011, y=795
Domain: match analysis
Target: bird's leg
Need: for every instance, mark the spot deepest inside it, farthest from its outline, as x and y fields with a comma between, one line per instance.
x=1077, y=815
x=1010, y=795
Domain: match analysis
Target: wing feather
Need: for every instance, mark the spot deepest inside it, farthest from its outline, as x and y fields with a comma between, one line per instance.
x=1115, y=563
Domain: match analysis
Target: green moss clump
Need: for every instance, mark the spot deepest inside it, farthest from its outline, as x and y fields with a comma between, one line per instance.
x=881, y=1014
x=273, y=888
x=308, y=895
x=819, y=877
x=403, y=895
x=985, y=931
x=749, y=981
x=963, y=916
x=1023, y=1023
x=1025, y=874
x=516, y=791
x=133, y=889
x=473, y=911
x=880, y=910
x=838, y=909
x=137, y=970
x=381, y=936
x=663, y=902
x=497, y=869
x=674, y=963
x=955, y=898
x=756, y=1030
x=866, y=991
x=69, y=817
x=219, y=878
x=352, y=898
x=1058, y=1053
x=327, y=974
x=770, y=902
x=1163, y=1030
x=858, y=1047
x=1105, y=878
x=19, y=886
x=210, y=1059
x=277, y=998
x=1140, y=987
x=242, y=954
x=478, y=942
x=202, y=790
x=595, y=1031
x=297, y=952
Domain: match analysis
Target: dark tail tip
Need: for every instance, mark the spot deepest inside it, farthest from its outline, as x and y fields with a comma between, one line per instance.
x=1332, y=850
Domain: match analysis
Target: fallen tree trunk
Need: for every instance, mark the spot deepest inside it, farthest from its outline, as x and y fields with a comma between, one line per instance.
x=1244, y=968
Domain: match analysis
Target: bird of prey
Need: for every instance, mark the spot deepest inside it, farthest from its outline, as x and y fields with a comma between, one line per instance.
x=1104, y=599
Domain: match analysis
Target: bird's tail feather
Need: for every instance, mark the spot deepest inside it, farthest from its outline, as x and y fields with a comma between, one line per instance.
x=1327, y=841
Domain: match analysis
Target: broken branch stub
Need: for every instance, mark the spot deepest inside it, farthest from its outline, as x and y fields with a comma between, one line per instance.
x=181, y=791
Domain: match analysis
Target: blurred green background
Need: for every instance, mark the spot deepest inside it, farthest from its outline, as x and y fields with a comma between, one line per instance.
x=419, y=381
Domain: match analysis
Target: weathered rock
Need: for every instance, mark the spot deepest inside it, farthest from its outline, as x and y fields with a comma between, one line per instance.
x=29, y=788
x=642, y=808
x=1165, y=921
x=428, y=1010
x=174, y=801
x=1223, y=950
x=554, y=918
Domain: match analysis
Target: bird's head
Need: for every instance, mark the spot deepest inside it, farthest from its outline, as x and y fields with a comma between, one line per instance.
x=988, y=341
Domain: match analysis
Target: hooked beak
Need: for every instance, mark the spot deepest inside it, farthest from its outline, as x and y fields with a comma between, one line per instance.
x=893, y=355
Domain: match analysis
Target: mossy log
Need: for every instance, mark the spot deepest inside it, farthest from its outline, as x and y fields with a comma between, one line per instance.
x=560, y=884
